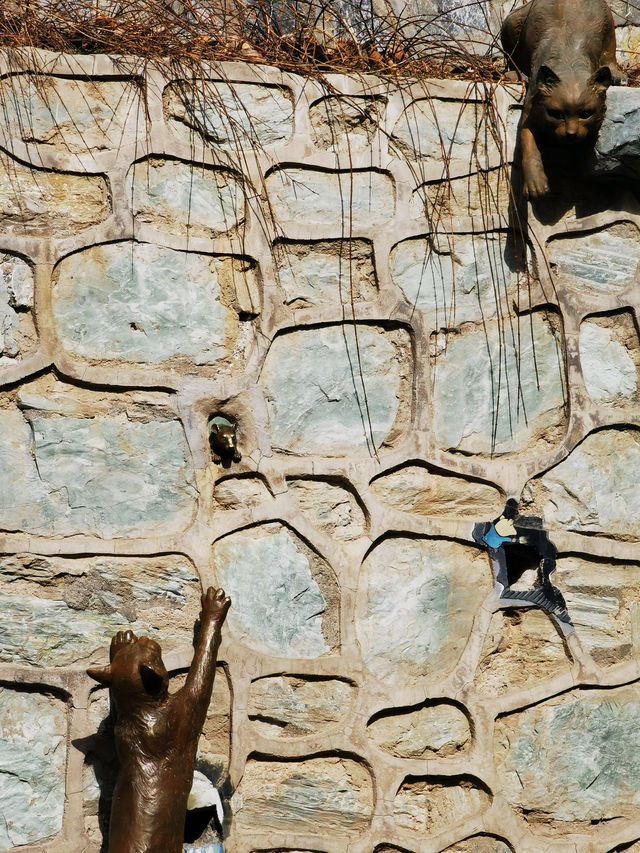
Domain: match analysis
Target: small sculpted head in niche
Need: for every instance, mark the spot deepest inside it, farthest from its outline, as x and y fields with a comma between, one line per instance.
x=222, y=440
x=567, y=49
x=518, y=544
x=156, y=733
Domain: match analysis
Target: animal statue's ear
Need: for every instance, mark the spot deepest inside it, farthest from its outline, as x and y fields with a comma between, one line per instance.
x=602, y=79
x=546, y=78
x=214, y=427
x=153, y=680
x=101, y=674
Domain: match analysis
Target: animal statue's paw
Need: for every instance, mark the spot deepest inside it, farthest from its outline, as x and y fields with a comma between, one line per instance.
x=121, y=639
x=215, y=605
x=536, y=184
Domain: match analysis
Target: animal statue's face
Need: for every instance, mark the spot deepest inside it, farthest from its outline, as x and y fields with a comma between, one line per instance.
x=569, y=107
x=223, y=438
x=136, y=671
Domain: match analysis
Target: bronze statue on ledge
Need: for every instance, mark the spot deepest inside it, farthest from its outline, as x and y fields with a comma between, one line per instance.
x=156, y=733
x=567, y=49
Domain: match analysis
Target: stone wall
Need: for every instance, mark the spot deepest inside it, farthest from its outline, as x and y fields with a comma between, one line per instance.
x=335, y=266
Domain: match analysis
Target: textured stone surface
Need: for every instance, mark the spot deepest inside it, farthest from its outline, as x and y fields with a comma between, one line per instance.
x=326, y=272
x=33, y=746
x=331, y=794
x=72, y=116
x=501, y=388
x=229, y=115
x=480, y=844
x=288, y=706
x=59, y=610
x=605, y=261
x=610, y=357
x=316, y=393
x=33, y=201
x=436, y=130
x=617, y=150
x=346, y=125
x=441, y=729
x=445, y=203
x=422, y=632
x=364, y=198
x=521, y=649
x=174, y=196
x=465, y=279
x=604, y=604
x=17, y=332
x=240, y=492
x=285, y=597
x=573, y=759
x=139, y=302
x=427, y=807
x=101, y=476
x=416, y=489
x=595, y=489
x=331, y=508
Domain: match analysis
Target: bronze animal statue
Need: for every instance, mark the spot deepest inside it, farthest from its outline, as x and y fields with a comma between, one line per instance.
x=222, y=440
x=156, y=734
x=567, y=49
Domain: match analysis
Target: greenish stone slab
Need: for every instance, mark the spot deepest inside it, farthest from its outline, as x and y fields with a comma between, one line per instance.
x=230, y=115
x=33, y=747
x=595, y=489
x=607, y=366
x=416, y=603
x=315, y=382
x=468, y=278
x=182, y=198
x=288, y=706
x=16, y=296
x=65, y=475
x=362, y=199
x=501, y=388
x=284, y=596
x=603, y=261
x=144, y=303
x=573, y=759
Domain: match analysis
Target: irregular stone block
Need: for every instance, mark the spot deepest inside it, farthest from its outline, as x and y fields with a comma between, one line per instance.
x=521, y=649
x=241, y=492
x=363, y=198
x=610, y=357
x=461, y=280
x=331, y=508
x=431, y=807
x=501, y=388
x=441, y=729
x=416, y=603
x=346, y=124
x=33, y=201
x=17, y=331
x=229, y=115
x=447, y=203
x=573, y=760
x=72, y=116
x=480, y=844
x=331, y=394
x=604, y=605
x=414, y=488
x=595, y=489
x=292, y=706
x=98, y=476
x=326, y=272
x=33, y=752
x=605, y=261
x=59, y=610
x=319, y=796
x=185, y=198
x=285, y=596
x=617, y=150
x=145, y=303
x=451, y=132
